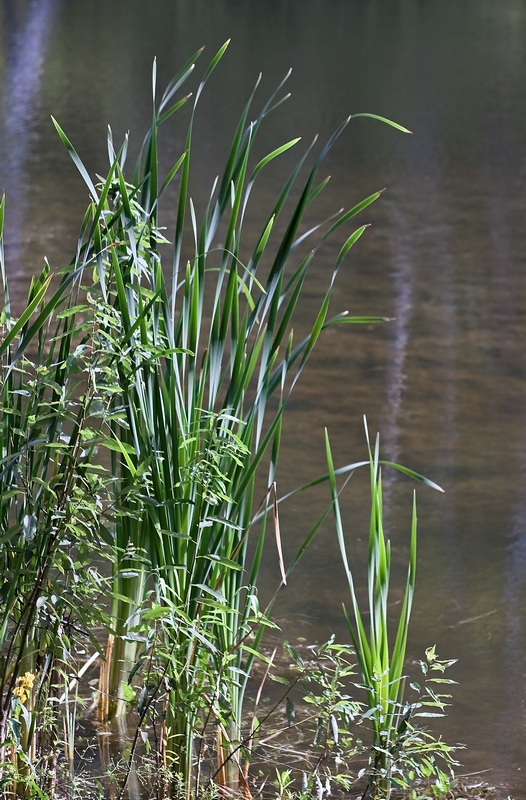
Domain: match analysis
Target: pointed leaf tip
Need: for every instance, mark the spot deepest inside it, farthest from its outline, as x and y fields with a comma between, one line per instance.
x=382, y=119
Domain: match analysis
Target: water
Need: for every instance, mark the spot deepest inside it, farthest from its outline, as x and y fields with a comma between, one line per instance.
x=445, y=382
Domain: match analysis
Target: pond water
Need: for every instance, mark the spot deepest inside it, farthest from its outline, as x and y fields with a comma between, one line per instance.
x=445, y=381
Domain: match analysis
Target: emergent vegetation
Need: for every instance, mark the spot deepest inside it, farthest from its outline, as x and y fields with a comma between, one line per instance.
x=141, y=407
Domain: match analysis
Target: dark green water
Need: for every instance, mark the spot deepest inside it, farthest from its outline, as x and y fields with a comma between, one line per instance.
x=445, y=382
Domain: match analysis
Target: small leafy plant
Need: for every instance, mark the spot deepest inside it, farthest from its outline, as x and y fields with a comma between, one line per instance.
x=335, y=741
x=336, y=724
x=416, y=756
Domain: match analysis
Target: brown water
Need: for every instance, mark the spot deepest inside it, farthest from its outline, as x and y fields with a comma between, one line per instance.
x=445, y=383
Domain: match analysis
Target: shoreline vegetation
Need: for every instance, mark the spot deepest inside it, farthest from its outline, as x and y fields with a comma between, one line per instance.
x=141, y=407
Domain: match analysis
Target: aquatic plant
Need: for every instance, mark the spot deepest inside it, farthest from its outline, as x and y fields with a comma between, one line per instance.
x=399, y=746
x=141, y=409
x=51, y=496
x=194, y=363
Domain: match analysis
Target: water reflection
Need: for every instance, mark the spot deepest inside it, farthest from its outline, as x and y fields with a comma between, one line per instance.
x=513, y=646
x=26, y=35
x=402, y=278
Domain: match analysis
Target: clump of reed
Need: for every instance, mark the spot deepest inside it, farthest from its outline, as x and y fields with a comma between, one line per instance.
x=401, y=747
x=140, y=406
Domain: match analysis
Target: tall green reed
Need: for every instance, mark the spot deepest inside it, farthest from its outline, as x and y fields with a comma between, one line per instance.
x=381, y=659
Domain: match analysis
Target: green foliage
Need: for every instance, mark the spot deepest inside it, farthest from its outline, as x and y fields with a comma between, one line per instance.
x=140, y=415
x=51, y=499
x=335, y=741
x=401, y=750
x=188, y=367
x=413, y=751
x=337, y=725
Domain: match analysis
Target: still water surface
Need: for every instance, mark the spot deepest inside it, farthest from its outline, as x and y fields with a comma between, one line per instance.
x=445, y=382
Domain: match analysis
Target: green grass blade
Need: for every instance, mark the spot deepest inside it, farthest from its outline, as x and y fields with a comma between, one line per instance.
x=383, y=119
x=76, y=159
